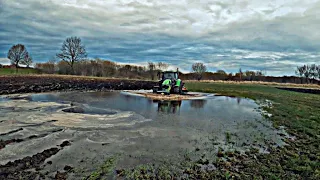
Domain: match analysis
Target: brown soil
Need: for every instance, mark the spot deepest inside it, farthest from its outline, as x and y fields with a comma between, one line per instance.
x=29, y=167
x=303, y=90
x=49, y=83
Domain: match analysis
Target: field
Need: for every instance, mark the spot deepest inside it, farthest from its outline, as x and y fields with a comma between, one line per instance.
x=7, y=71
x=299, y=113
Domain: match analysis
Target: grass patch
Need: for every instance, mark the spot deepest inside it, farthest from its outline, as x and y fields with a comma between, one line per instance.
x=298, y=112
x=9, y=71
x=105, y=170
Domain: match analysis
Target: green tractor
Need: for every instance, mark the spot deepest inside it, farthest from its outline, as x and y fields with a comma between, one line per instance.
x=170, y=83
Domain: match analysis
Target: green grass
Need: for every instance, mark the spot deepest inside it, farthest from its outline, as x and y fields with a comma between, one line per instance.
x=8, y=71
x=298, y=112
x=103, y=171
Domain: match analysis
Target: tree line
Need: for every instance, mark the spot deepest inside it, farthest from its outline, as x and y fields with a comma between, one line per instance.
x=74, y=61
x=102, y=68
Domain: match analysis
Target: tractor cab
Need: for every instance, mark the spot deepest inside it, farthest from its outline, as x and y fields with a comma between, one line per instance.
x=169, y=83
x=169, y=75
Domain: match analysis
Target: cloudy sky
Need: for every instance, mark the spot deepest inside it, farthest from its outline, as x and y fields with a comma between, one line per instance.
x=270, y=35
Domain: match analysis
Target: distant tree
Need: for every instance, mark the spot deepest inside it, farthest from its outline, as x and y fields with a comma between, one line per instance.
x=240, y=74
x=72, y=51
x=151, y=68
x=27, y=61
x=0, y=65
x=162, y=66
x=259, y=73
x=17, y=53
x=313, y=71
x=96, y=69
x=63, y=67
x=127, y=68
x=250, y=73
x=222, y=72
x=199, y=69
x=304, y=71
x=230, y=76
x=109, y=68
x=219, y=75
x=318, y=71
x=47, y=67
x=300, y=70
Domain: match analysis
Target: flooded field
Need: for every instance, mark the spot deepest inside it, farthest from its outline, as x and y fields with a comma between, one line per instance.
x=137, y=130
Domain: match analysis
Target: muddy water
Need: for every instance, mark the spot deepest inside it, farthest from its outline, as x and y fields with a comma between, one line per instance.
x=136, y=129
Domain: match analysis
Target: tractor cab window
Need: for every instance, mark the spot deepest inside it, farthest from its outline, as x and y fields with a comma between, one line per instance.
x=170, y=75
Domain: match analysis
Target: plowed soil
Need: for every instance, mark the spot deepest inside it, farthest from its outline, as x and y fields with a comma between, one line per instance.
x=50, y=83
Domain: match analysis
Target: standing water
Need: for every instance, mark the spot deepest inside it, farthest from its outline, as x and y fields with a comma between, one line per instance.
x=138, y=130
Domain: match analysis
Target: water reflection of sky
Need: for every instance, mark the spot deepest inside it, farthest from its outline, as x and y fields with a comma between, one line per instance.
x=139, y=126
x=3, y=99
x=209, y=114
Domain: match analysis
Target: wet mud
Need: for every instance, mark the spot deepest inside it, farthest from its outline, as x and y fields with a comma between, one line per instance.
x=47, y=83
x=69, y=135
x=30, y=166
x=302, y=90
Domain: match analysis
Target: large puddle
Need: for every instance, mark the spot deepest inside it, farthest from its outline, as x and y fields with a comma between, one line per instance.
x=137, y=129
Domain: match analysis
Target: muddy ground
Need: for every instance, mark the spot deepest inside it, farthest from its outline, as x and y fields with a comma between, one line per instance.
x=302, y=90
x=281, y=163
x=27, y=168
x=49, y=83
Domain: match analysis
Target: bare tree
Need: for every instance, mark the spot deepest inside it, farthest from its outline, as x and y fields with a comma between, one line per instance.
x=313, y=71
x=162, y=66
x=304, y=71
x=63, y=67
x=27, y=61
x=199, y=68
x=318, y=71
x=259, y=73
x=109, y=68
x=240, y=73
x=222, y=72
x=46, y=67
x=300, y=70
x=16, y=54
x=152, y=68
x=72, y=51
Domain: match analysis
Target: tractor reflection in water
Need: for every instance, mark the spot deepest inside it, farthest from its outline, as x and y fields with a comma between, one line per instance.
x=198, y=103
x=170, y=107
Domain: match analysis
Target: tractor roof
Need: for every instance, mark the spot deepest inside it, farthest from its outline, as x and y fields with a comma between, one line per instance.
x=169, y=72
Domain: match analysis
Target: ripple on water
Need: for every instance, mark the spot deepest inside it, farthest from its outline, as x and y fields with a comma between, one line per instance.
x=114, y=122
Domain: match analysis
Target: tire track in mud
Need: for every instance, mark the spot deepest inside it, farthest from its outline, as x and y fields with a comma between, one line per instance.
x=11, y=132
x=3, y=143
x=29, y=167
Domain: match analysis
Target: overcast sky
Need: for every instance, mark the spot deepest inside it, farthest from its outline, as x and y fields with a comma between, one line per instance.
x=271, y=35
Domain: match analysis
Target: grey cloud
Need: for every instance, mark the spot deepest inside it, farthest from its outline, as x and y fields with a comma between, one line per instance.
x=223, y=34
x=4, y=61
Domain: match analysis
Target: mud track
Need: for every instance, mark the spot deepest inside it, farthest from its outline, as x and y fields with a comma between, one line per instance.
x=49, y=83
x=28, y=167
x=302, y=90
